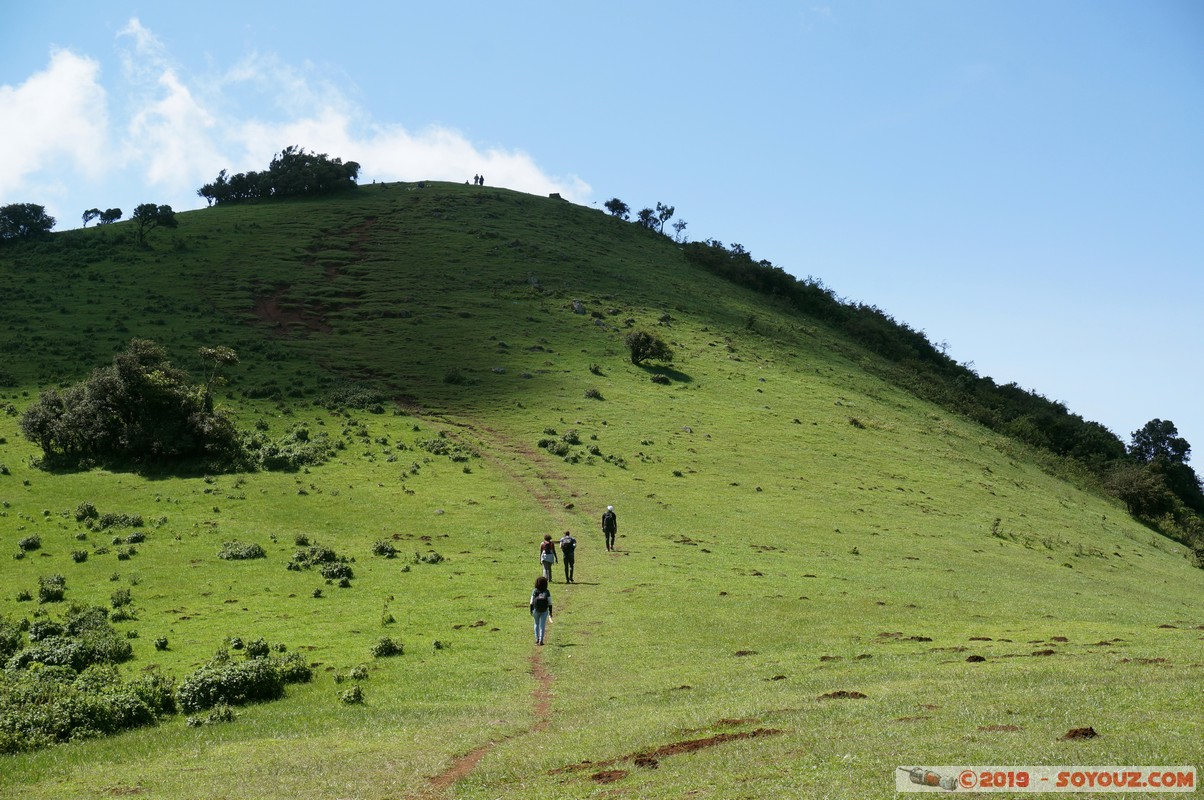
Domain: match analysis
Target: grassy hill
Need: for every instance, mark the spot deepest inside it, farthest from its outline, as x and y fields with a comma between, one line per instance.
x=790, y=526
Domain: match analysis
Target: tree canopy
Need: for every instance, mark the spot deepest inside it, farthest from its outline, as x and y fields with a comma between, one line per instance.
x=140, y=409
x=292, y=173
x=24, y=220
x=149, y=216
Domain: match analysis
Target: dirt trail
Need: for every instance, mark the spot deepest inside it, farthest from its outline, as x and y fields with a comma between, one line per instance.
x=535, y=475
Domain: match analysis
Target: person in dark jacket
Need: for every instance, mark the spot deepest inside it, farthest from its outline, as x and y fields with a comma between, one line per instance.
x=541, y=607
x=568, y=554
x=610, y=527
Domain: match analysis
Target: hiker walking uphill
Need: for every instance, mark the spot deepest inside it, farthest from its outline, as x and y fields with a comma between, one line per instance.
x=610, y=527
x=541, y=607
x=568, y=554
x=547, y=556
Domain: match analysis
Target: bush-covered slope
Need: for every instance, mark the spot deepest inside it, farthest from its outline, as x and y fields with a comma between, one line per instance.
x=791, y=525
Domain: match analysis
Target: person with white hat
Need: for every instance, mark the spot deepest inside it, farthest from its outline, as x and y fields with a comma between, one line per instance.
x=610, y=527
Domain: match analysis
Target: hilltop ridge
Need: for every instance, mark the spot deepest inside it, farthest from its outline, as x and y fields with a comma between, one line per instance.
x=793, y=525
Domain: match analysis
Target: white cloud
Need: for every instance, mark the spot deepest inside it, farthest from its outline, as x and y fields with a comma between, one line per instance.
x=59, y=113
x=171, y=138
x=177, y=131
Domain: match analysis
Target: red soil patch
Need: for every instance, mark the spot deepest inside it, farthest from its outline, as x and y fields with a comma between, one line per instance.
x=651, y=758
x=841, y=694
x=609, y=776
x=975, y=659
x=1080, y=733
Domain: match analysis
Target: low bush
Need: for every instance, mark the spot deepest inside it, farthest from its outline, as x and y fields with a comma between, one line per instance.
x=384, y=548
x=241, y=551
x=51, y=588
x=387, y=647
x=230, y=682
x=29, y=543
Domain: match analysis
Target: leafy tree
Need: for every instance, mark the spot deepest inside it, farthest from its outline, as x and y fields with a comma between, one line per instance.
x=1159, y=439
x=664, y=213
x=292, y=173
x=679, y=227
x=24, y=220
x=1141, y=490
x=617, y=208
x=141, y=409
x=646, y=218
x=643, y=346
x=90, y=214
x=109, y=216
x=150, y=216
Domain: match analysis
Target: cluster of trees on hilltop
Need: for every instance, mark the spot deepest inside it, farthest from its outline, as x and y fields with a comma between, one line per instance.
x=1151, y=476
x=652, y=219
x=292, y=173
x=24, y=221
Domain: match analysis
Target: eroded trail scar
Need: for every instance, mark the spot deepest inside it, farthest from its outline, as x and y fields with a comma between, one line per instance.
x=541, y=696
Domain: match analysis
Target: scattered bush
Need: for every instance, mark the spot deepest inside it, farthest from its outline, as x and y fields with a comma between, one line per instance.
x=384, y=548
x=643, y=346
x=230, y=682
x=353, y=696
x=161, y=643
x=29, y=543
x=51, y=588
x=241, y=551
x=387, y=647
x=258, y=648
x=79, y=556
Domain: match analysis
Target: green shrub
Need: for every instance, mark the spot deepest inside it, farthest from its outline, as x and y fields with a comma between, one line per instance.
x=29, y=543
x=258, y=648
x=387, y=647
x=241, y=551
x=79, y=556
x=384, y=548
x=293, y=668
x=233, y=683
x=51, y=588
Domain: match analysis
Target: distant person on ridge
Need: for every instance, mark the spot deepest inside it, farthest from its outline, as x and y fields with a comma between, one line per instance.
x=541, y=607
x=547, y=556
x=610, y=527
x=568, y=553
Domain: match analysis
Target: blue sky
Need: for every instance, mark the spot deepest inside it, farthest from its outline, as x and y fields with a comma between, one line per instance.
x=1023, y=181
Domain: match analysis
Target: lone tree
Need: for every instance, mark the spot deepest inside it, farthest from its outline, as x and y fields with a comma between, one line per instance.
x=643, y=346
x=664, y=213
x=150, y=216
x=617, y=208
x=24, y=220
x=107, y=217
x=140, y=409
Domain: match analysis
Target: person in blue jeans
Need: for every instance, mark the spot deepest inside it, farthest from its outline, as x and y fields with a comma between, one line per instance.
x=541, y=607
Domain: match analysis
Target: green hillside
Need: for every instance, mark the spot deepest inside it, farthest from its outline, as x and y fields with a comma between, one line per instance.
x=791, y=526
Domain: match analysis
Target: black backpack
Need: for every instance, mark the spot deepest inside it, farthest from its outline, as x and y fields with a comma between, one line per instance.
x=540, y=600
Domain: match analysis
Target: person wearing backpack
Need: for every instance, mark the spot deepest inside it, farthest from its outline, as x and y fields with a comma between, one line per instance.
x=541, y=607
x=547, y=556
x=568, y=553
x=610, y=527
